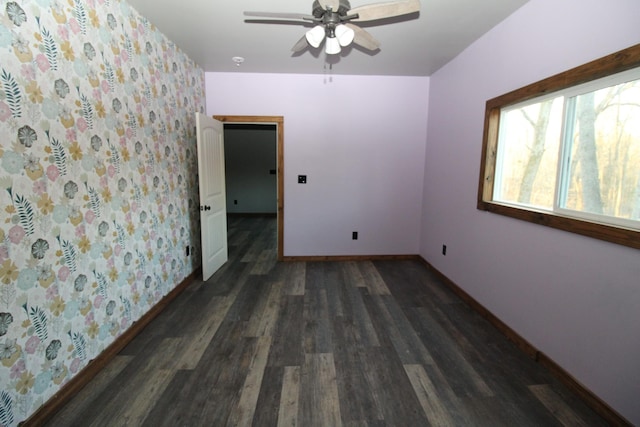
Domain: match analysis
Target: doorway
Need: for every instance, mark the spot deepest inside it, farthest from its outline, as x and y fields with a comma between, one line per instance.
x=250, y=157
x=278, y=121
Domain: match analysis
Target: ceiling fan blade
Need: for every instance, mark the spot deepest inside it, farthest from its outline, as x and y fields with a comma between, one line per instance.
x=278, y=15
x=363, y=38
x=333, y=4
x=300, y=45
x=371, y=12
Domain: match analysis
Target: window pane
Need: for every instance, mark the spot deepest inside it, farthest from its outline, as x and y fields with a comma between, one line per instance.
x=528, y=154
x=604, y=165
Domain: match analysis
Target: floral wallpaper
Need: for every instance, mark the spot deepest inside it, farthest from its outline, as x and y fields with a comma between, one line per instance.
x=98, y=185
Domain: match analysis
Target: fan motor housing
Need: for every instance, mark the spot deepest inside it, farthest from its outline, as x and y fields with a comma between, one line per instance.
x=318, y=11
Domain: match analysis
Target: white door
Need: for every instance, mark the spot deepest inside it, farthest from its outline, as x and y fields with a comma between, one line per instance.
x=213, y=207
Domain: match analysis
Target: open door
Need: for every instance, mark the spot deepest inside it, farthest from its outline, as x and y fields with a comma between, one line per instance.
x=213, y=206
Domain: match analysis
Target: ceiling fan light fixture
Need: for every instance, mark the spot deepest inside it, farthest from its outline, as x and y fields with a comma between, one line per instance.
x=315, y=35
x=332, y=46
x=334, y=20
x=345, y=35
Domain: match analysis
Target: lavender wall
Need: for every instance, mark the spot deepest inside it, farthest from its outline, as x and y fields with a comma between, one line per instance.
x=573, y=297
x=360, y=141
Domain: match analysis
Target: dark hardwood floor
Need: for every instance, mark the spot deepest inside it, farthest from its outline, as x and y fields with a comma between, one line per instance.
x=366, y=343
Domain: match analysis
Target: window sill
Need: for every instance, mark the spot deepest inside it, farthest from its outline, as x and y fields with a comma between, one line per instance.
x=619, y=235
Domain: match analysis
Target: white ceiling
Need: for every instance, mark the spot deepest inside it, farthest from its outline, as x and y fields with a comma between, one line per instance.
x=211, y=32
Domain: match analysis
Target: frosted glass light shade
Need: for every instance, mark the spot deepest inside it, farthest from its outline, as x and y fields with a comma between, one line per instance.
x=344, y=35
x=332, y=46
x=315, y=35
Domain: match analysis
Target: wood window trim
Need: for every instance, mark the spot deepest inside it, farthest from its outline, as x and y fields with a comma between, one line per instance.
x=617, y=62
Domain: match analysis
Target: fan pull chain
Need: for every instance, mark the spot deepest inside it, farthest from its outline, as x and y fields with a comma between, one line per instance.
x=330, y=73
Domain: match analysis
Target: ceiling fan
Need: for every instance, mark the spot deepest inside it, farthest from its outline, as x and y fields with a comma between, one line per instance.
x=333, y=19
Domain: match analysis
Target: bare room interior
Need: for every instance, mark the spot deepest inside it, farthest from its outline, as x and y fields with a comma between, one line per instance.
x=424, y=212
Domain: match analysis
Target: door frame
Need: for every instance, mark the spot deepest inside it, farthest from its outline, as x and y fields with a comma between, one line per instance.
x=279, y=122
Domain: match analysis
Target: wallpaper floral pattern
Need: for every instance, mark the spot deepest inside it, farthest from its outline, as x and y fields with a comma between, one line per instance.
x=98, y=187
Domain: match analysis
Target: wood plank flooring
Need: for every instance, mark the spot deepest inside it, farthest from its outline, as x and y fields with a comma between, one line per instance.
x=371, y=343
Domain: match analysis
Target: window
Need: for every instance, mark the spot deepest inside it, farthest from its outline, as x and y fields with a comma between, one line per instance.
x=565, y=152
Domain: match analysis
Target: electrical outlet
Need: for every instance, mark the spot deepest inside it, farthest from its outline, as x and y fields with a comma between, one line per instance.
x=444, y=249
x=354, y=235
x=302, y=179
